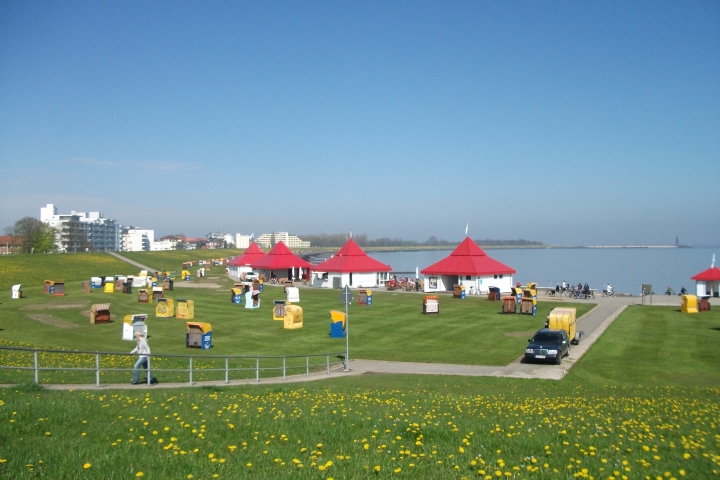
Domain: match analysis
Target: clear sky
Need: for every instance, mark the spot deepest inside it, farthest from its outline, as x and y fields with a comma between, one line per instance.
x=565, y=122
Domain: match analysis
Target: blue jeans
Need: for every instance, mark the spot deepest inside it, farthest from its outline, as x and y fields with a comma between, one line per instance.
x=141, y=363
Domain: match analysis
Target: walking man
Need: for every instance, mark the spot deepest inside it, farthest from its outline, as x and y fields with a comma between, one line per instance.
x=143, y=350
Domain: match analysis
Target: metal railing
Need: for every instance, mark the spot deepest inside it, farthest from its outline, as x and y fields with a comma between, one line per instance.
x=37, y=368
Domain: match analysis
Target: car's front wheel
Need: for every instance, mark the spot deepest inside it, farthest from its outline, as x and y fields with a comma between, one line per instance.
x=567, y=354
x=558, y=359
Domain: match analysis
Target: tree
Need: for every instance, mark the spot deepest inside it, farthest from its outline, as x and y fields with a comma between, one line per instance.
x=36, y=236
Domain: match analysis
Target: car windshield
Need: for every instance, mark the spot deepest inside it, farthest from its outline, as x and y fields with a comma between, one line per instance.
x=547, y=338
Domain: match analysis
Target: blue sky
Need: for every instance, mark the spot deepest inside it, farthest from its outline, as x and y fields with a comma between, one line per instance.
x=564, y=122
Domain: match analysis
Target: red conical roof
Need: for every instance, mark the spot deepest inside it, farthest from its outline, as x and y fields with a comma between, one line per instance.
x=252, y=254
x=280, y=257
x=351, y=258
x=712, y=274
x=468, y=259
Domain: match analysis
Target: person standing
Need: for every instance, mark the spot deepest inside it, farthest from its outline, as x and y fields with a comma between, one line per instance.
x=143, y=350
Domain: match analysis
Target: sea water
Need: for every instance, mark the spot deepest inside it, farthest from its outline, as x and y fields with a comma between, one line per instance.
x=626, y=269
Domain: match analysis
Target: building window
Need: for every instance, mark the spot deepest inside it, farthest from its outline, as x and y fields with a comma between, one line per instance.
x=501, y=276
x=467, y=277
x=495, y=277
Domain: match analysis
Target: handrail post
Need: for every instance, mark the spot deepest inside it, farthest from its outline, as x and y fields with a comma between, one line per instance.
x=227, y=379
x=257, y=369
x=97, y=369
x=327, y=359
x=283, y=368
x=149, y=376
x=190, y=370
x=307, y=366
x=36, y=366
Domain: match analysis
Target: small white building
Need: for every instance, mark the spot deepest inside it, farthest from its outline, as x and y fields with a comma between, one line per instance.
x=350, y=267
x=468, y=265
x=707, y=283
x=241, y=264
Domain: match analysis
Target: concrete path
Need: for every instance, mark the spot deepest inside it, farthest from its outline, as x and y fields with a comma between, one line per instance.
x=132, y=262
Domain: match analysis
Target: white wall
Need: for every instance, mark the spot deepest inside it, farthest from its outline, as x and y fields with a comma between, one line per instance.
x=446, y=283
x=363, y=279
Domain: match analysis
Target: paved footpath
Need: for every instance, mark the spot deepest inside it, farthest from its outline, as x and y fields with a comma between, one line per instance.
x=133, y=262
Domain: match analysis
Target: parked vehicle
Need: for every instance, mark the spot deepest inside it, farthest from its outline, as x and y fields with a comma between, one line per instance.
x=548, y=345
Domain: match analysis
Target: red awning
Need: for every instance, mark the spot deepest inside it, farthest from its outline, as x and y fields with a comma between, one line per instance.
x=468, y=259
x=712, y=274
x=351, y=258
x=280, y=257
x=252, y=254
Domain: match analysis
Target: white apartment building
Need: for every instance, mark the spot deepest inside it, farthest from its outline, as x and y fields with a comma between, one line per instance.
x=82, y=231
x=137, y=240
x=267, y=240
x=242, y=241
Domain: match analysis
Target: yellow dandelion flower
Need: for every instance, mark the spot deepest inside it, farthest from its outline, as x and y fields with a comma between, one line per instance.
x=87, y=465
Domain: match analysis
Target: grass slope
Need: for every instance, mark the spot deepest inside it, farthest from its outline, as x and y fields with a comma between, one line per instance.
x=33, y=270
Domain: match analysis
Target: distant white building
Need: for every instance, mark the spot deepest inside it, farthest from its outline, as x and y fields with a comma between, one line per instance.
x=137, y=240
x=82, y=231
x=267, y=240
x=162, y=245
x=242, y=241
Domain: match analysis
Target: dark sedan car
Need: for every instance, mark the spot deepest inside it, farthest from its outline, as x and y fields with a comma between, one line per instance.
x=548, y=345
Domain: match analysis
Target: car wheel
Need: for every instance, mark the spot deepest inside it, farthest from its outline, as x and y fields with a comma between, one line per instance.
x=558, y=360
x=567, y=354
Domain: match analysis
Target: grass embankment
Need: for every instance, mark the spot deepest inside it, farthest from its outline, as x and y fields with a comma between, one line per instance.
x=33, y=270
x=470, y=331
x=173, y=259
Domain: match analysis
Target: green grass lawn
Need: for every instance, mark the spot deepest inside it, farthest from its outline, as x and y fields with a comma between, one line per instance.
x=33, y=270
x=642, y=403
x=470, y=331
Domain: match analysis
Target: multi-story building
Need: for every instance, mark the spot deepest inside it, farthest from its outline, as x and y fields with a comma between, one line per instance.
x=82, y=231
x=137, y=240
x=267, y=240
x=242, y=241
